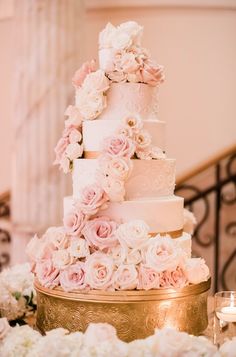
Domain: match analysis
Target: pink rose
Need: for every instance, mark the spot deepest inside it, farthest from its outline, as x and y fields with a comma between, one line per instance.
x=117, y=77
x=75, y=136
x=116, y=167
x=99, y=233
x=92, y=198
x=74, y=221
x=148, y=278
x=47, y=274
x=4, y=327
x=73, y=277
x=118, y=145
x=57, y=237
x=82, y=73
x=175, y=279
x=196, y=270
x=127, y=62
x=99, y=271
x=60, y=149
x=126, y=277
x=114, y=188
x=151, y=73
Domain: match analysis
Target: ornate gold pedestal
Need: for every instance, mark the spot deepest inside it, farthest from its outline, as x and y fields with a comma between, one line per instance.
x=134, y=314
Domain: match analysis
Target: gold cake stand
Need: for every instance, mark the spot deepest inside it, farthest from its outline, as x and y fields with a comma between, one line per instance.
x=134, y=314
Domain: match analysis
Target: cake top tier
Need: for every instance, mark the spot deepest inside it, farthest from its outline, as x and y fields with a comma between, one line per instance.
x=123, y=58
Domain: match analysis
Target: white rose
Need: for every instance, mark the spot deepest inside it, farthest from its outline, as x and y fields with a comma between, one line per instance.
x=65, y=164
x=90, y=104
x=134, y=122
x=143, y=139
x=4, y=327
x=134, y=77
x=170, y=342
x=134, y=256
x=78, y=248
x=113, y=187
x=157, y=153
x=228, y=348
x=125, y=130
x=133, y=30
x=107, y=59
x=99, y=271
x=61, y=258
x=57, y=236
x=196, y=270
x=118, y=254
x=74, y=116
x=117, y=167
x=162, y=253
x=74, y=151
x=96, y=82
x=133, y=233
x=75, y=136
x=106, y=36
x=202, y=346
x=126, y=277
x=121, y=40
x=189, y=221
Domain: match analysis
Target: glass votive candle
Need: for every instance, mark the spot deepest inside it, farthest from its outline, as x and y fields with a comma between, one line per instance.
x=225, y=316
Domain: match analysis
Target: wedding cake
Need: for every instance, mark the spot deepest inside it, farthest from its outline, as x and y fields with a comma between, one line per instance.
x=123, y=227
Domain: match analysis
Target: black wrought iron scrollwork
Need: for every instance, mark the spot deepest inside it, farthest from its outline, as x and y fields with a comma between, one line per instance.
x=214, y=199
x=5, y=237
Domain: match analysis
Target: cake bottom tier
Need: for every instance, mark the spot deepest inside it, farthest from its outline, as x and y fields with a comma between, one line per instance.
x=134, y=314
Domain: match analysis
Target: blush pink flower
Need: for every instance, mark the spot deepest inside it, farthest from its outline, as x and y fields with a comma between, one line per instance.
x=100, y=233
x=60, y=149
x=99, y=271
x=74, y=117
x=39, y=249
x=151, y=73
x=175, y=279
x=92, y=198
x=47, y=274
x=74, y=221
x=126, y=277
x=148, y=278
x=73, y=277
x=118, y=145
x=82, y=73
x=4, y=327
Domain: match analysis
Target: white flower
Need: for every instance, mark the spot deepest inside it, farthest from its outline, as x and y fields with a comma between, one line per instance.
x=65, y=164
x=96, y=82
x=126, y=277
x=90, y=104
x=113, y=187
x=106, y=36
x=196, y=270
x=143, y=139
x=78, y=248
x=228, y=348
x=201, y=346
x=162, y=253
x=19, y=342
x=121, y=40
x=75, y=136
x=61, y=258
x=134, y=122
x=133, y=233
x=189, y=221
x=133, y=30
x=116, y=167
x=74, y=116
x=74, y=151
x=134, y=256
x=157, y=153
x=57, y=236
x=117, y=76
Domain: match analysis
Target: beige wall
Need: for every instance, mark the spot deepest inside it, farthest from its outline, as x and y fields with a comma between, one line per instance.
x=198, y=49
x=6, y=89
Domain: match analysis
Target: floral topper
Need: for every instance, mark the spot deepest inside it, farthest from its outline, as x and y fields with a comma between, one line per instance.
x=123, y=58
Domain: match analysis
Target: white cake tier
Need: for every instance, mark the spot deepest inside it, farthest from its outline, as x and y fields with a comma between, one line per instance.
x=162, y=215
x=95, y=131
x=124, y=99
x=149, y=179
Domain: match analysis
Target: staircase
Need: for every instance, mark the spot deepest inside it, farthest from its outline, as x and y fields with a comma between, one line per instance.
x=5, y=230
x=210, y=193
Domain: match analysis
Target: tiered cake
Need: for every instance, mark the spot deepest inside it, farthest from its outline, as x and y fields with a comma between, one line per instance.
x=122, y=255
